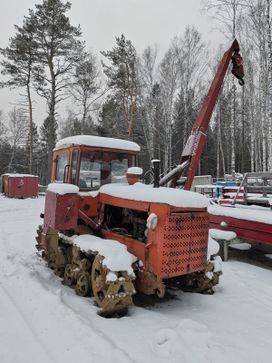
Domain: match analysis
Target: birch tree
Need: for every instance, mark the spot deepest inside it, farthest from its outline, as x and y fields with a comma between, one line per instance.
x=17, y=129
x=228, y=13
x=259, y=25
x=192, y=66
x=269, y=88
x=86, y=87
x=169, y=85
x=149, y=99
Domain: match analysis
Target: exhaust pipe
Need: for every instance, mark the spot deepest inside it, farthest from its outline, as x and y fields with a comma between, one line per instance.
x=156, y=172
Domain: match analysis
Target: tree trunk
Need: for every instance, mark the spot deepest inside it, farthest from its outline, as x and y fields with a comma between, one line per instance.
x=51, y=131
x=269, y=88
x=243, y=132
x=233, y=127
x=30, y=132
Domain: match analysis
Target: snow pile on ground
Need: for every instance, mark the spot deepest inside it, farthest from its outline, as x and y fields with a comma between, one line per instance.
x=241, y=246
x=116, y=255
x=213, y=247
x=217, y=234
x=63, y=188
x=98, y=141
x=43, y=320
x=145, y=193
x=217, y=263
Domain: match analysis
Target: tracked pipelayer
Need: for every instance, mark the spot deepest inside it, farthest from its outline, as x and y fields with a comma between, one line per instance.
x=109, y=235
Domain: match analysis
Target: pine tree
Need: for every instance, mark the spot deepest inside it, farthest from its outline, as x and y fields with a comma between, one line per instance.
x=58, y=50
x=111, y=122
x=72, y=125
x=122, y=76
x=47, y=134
x=19, y=65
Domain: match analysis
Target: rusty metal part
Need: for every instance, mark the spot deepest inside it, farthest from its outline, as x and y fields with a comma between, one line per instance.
x=54, y=254
x=237, y=67
x=78, y=266
x=111, y=296
x=203, y=281
x=69, y=275
x=149, y=284
x=83, y=284
x=38, y=237
x=86, y=273
x=89, y=221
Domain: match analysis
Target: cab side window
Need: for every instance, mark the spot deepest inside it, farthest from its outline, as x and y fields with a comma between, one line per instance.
x=61, y=170
x=74, y=167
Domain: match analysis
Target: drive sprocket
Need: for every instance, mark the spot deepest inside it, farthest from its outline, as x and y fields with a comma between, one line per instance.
x=111, y=296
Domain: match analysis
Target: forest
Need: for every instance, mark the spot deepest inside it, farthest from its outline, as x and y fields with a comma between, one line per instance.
x=142, y=97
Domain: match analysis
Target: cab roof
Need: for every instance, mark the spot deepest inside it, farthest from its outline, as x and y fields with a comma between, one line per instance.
x=97, y=141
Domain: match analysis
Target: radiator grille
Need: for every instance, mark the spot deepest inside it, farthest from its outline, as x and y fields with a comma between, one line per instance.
x=184, y=245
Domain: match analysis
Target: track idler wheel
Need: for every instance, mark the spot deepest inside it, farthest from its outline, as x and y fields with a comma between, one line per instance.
x=69, y=275
x=39, y=238
x=204, y=281
x=59, y=271
x=83, y=285
x=111, y=296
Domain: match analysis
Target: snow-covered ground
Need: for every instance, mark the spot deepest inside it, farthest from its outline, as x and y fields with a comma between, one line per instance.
x=43, y=321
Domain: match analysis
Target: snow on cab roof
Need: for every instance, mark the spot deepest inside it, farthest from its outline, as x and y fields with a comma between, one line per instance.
x=98, y=141
x=146, y=193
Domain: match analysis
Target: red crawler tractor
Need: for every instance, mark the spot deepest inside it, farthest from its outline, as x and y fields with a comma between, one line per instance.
x=93, y=217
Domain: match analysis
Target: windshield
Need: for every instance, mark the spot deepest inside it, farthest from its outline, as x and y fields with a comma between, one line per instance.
x=98, y=168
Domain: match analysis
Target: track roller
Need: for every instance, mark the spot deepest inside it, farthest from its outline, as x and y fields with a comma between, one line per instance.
x=111, y=296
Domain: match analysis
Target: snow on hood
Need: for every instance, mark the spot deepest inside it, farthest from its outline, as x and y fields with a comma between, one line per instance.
x=98, y=141
x=63, y=188
x=117, y=257
x=146, y=193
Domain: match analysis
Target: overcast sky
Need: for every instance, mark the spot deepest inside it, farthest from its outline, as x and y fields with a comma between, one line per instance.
x=144, y=22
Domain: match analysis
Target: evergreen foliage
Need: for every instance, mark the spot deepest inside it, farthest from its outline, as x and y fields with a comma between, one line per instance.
x=122, y=75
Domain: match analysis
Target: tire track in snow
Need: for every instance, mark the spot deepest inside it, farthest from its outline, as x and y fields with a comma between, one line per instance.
x=10, y=210
x=27, y=323
x=8, y=258
x=87, y=320
x=262, y=298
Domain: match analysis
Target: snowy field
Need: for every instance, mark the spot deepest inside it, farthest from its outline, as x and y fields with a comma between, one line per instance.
x=43, y=321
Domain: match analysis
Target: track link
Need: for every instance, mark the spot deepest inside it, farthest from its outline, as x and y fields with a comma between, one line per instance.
x=85, y=272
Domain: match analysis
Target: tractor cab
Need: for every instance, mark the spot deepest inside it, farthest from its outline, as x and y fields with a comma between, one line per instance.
x=91, y=161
